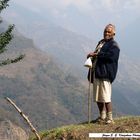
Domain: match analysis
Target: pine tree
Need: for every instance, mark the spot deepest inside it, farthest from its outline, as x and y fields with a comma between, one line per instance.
x=6, y=37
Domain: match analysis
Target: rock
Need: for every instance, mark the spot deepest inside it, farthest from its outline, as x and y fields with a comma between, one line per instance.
x=9, y=131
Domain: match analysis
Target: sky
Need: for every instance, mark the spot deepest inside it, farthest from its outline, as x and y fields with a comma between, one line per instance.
x=88, y=7
x=82, y=16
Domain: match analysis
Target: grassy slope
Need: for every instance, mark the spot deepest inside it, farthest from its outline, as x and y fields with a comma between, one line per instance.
x=81, y=131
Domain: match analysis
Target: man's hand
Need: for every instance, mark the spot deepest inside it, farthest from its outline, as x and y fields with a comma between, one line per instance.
x=92, y=54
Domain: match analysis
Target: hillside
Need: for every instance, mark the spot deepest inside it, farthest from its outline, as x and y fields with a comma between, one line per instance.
x=40, y=87
x=81, y=131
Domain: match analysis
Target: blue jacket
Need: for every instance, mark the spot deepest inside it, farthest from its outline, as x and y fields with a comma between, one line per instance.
x=107, y=61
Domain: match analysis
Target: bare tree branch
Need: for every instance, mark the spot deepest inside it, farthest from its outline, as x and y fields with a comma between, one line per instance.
x=25, y=118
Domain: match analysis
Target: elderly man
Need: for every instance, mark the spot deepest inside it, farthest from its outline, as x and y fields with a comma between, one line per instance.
x=105, y=57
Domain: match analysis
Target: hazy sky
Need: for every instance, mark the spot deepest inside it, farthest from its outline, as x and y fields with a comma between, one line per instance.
x=82, y=16
x=86, y=17
x=89, y=7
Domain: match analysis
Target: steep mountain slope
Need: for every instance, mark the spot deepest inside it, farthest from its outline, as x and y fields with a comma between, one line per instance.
x=39, y=86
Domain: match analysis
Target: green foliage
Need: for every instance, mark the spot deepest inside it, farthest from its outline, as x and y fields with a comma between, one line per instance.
x=3, y=4
x=9, y=61
x=6, y=37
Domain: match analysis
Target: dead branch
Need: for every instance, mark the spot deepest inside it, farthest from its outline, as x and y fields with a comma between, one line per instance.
x=25, y=118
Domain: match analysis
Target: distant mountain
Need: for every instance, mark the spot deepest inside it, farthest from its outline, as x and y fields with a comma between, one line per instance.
x=71, y=49
x=65, y=46
x=47, y=89
x=49, y=95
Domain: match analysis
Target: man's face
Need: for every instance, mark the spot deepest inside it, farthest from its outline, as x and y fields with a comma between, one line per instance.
x=108, y=33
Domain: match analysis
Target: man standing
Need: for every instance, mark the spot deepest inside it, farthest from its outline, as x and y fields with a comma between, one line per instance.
x=105, y=57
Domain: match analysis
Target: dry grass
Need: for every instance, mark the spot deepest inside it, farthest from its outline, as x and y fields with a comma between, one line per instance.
x=81, y=131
